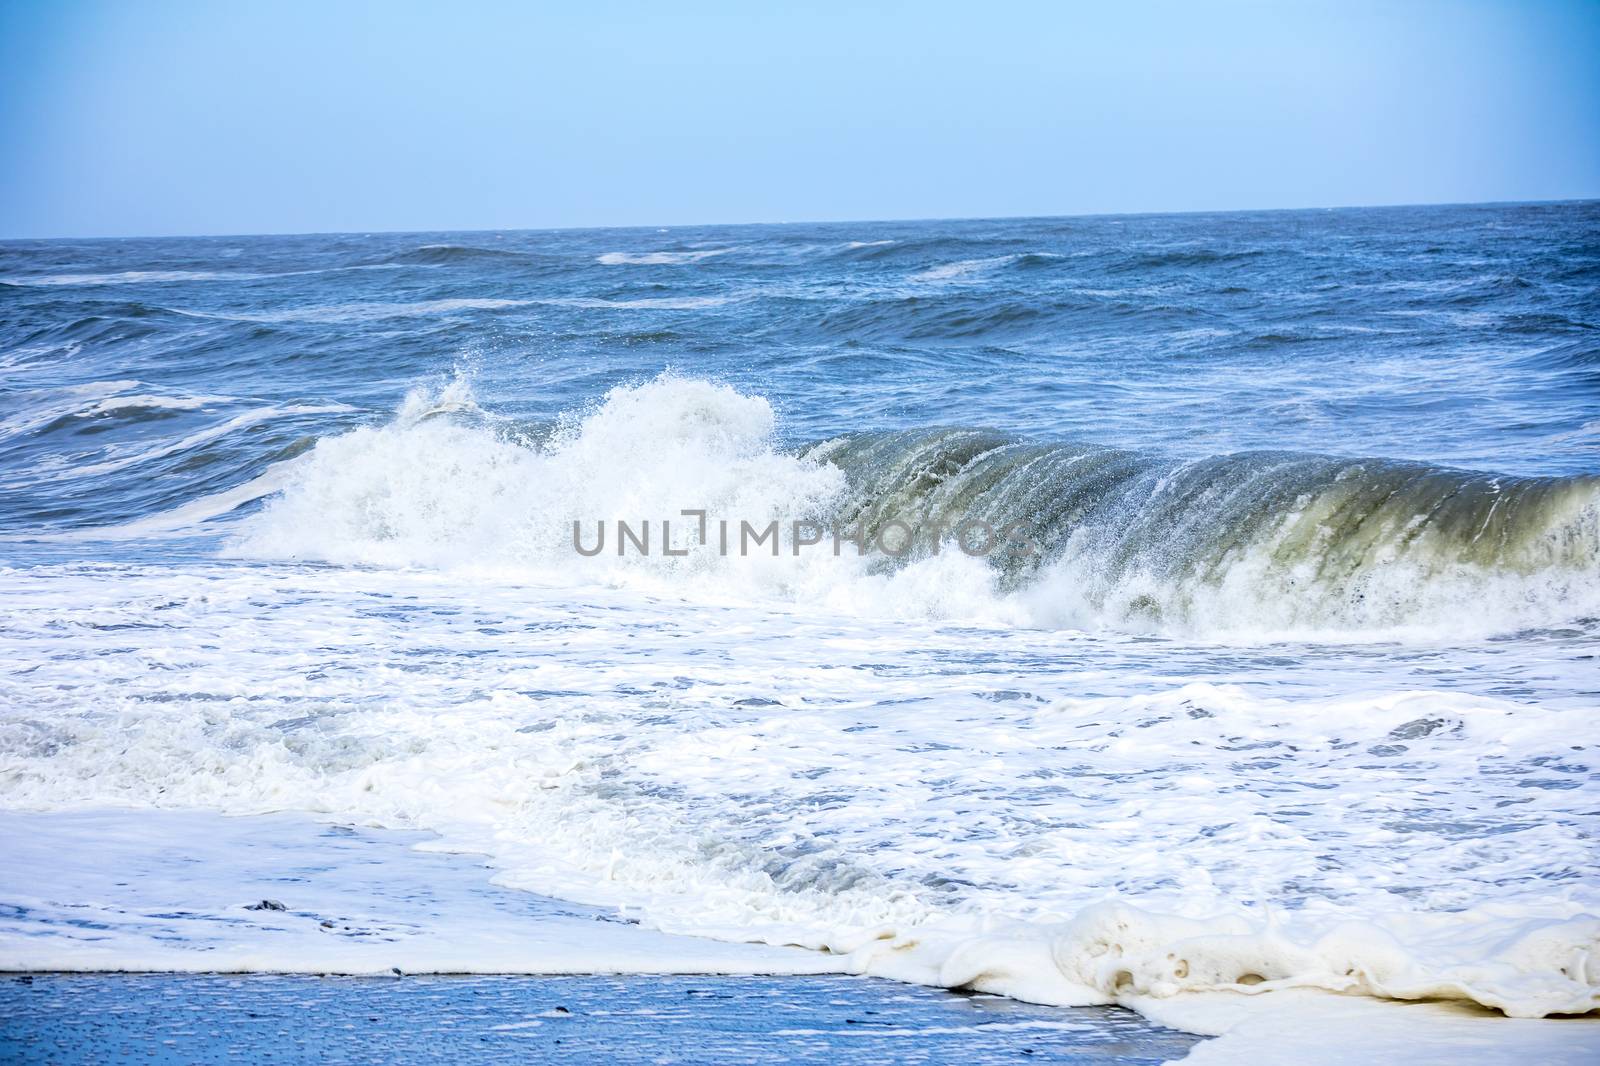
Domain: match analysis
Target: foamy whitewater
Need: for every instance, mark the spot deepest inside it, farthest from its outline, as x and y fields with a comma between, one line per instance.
x=1283, y=719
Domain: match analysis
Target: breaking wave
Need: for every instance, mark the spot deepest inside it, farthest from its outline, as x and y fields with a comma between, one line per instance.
x=1250, y=543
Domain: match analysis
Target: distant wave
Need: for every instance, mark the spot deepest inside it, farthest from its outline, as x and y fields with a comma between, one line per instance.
x=1187, y=257
x=195, y=441
x=963, y=268
x=925, y=250
x=960, y=268
x=124, y=405
x=658, y=258
x=442, y=254
x=184, y=520
x=152, y=277
x=917, y=317
x=660, y=303
x=362, y=312
x=98, y=452
x=366, y=312
x=131, y=277
x=31, y=410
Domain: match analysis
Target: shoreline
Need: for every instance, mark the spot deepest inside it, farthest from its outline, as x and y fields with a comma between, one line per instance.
x=150, y=907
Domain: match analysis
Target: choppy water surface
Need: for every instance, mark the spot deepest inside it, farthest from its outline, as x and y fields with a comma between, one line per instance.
x=1297, y=689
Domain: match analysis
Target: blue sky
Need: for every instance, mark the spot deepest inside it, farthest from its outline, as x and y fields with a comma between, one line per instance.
x=176, y=117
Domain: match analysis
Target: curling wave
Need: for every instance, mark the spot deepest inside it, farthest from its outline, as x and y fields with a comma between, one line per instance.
x=1256, y=539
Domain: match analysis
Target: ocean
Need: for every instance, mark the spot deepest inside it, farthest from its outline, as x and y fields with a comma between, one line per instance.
x=1192, y=612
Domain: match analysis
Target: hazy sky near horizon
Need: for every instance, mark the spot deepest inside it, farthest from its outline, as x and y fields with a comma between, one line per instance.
x=187, y=117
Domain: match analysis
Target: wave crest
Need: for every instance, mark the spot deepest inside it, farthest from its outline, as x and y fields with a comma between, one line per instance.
x=1256, y=541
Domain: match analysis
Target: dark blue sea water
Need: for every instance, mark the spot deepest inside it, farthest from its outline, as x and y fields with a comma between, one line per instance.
x=1455, y=335
x=1294, y=684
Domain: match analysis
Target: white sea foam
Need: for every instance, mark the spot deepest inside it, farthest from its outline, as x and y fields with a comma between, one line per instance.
x=142, y=402
x=1313, y=1028
x=664, y=303
x=1258, y=595
x=961, y=268
x=440, y=493
x=658, y=258
x=972, y=268
x=39, y=353
x=790, y=777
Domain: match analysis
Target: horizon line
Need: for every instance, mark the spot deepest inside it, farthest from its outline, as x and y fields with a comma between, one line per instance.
x=810, y=222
